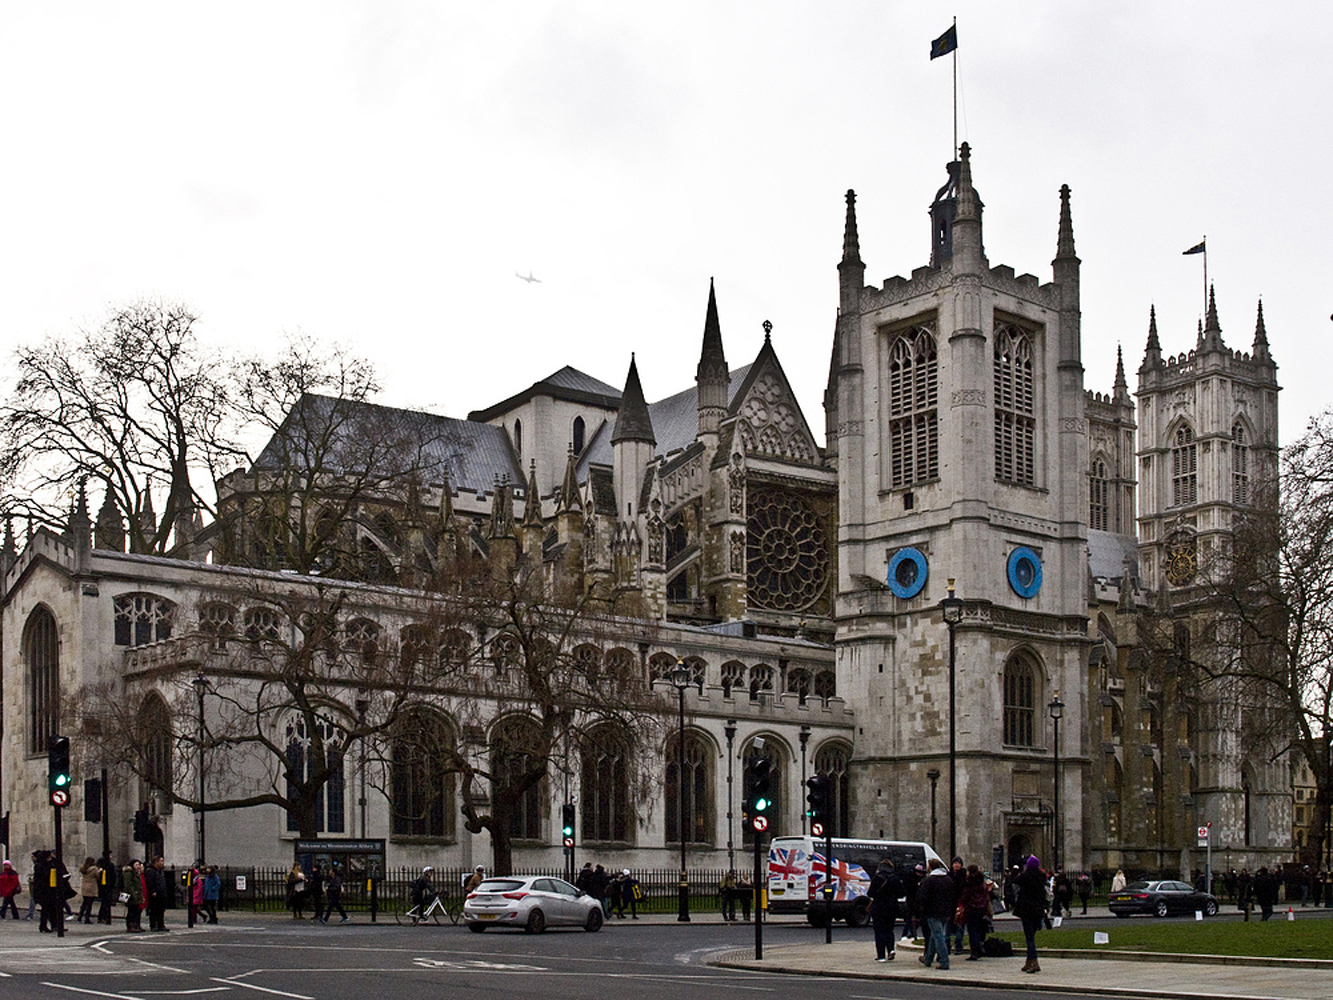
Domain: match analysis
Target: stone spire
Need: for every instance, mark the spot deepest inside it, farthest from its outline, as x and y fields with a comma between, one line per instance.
x=446, y=501
x=1260, y=348
x=969, y=255
x=633, y=422
x=1120, y=394
x=1064, y=243
x=851, y=243
x=147, y=518
x=711, y=376
x=1210, y=338
x=532, y=504
x=569, y=498
x=502, y=510
x=1152, y=355
x=851, y=271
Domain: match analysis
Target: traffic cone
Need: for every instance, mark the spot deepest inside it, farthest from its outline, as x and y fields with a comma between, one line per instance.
x=1290, y=914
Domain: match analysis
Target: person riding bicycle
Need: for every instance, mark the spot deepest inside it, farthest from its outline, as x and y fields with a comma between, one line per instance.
x=423, y=891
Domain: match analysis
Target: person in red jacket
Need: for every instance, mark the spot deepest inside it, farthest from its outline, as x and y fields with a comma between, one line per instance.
x=9, y=888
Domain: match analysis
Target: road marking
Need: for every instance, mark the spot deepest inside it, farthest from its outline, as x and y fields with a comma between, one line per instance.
x=262, y=989
x=185, y=993
x=475, y=965
x=96, y=993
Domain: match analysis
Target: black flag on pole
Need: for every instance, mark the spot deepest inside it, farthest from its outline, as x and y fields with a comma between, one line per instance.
x=945, y=44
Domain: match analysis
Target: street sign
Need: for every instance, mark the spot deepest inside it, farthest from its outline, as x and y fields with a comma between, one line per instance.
x=60, y=797
x=816, y=829
x=760, y=823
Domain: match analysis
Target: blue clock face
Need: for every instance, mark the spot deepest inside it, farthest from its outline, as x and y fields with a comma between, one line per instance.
x=1024, y=572
x=907, y=572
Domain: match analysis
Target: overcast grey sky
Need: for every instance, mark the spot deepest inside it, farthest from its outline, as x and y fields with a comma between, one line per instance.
x=375, y=173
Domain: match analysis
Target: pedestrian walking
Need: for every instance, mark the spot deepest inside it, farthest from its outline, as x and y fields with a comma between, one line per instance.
x=32, y=886
x=51, y=888
x=1265, y=891
x=333, y=894
x=1064, y=895
x=9, y=888
x=936, y=903
x=108, y=887
x=1084, y=890
x=296, y=890
x=613, y=900
x=133, y=893
x=886, y=888
x=1119, y=882
x=316, y=887
x=975, y=909
x=88, y=872
x=958, y=874
x=598, y=884
x=630, y=894
x=1030, y=907
x=745, y=893
x=911, y=882
x=155, y=880
x=212, y=892
x=726, y=895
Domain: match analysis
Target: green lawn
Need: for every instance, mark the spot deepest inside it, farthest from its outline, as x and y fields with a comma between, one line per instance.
x=1278, y=938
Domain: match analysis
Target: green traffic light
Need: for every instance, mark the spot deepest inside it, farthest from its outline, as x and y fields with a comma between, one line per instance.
x=62, y=780
x=761, y=804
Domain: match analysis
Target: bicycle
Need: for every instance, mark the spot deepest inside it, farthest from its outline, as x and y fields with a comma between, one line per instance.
x=417, y=913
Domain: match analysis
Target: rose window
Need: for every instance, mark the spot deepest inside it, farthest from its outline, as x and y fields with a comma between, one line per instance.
x=787, y=557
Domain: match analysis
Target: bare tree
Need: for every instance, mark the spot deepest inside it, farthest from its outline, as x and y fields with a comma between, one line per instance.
x=135, y=403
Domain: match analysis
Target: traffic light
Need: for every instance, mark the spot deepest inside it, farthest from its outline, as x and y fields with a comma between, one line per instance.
x=758, y=802
x=57, y=770
x=92, y=800
x=818, y=799
x=143, y=828
x=567, y=823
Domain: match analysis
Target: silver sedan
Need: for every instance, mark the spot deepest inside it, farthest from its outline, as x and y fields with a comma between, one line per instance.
x=531, y=902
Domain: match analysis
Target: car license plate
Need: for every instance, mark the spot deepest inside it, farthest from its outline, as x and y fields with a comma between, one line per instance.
x=1120, y=899
x=488, y=916
x=776, y=892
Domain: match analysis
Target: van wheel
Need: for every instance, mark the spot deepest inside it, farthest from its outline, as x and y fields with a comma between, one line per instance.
x=859, y=914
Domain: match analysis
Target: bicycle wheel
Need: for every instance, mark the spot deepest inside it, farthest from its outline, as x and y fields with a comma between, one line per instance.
x=433, y=913
x=406, y=913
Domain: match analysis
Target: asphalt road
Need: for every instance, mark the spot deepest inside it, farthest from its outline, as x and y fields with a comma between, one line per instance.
x=268, y=957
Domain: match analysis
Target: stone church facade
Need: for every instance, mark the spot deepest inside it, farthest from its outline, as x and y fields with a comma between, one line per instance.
x=801, y=585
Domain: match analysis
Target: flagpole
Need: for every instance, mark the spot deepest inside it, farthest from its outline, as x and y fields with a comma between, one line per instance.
x=954, y=154
x=1205, y=274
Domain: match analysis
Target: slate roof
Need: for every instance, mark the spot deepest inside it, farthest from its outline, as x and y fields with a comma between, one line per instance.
x=568, y=383
x=1107, y=553
x=474, y=453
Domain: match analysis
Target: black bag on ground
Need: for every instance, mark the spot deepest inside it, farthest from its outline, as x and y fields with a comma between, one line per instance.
x=994, y=947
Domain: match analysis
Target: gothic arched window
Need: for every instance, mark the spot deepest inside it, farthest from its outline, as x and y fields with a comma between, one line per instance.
x=698, y=789
x=761, y=680
x=363, y=639
x=518, y=437
x=155, y=748
x=1099, y=496
x=303, y=752
x=217, y=621
x=660, y=666
x=607, y=810
x=1015, y=405
x=914, y=444
x=514, y=747
x=1020, y=686
x=41, y=653
x=831, y=759
x=1240, y=466
x=261, y=625
x=1184, y=468
x=826, y=685
x=422, y=784
x=733, y=677
x=578, y=435
x=142, y=618
x=799, y=683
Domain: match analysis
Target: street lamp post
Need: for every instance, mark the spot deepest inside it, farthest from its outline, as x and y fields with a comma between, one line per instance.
x=680, y=678
x=361, y=706
x=934, y=775
x=1057, y=709
x=730, y=730
x=201, y=687
x=805, y=739
x=952, y=608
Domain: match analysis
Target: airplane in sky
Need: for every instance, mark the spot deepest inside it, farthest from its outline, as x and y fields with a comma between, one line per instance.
x=529, y=279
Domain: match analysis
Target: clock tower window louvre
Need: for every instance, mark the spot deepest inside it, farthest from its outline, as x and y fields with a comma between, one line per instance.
x=1015, y=406
x=1184, y=469
x=914, y=447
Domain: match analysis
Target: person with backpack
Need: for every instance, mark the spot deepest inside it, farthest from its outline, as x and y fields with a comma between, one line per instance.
x=333, y=894
x=886, y=888
x=9, y=888
x=212, y=891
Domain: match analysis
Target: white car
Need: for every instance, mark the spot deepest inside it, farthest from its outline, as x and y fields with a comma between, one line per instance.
x=531, y=902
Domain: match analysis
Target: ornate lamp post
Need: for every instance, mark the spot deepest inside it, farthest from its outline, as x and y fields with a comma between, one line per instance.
x=1057, y=709
x=805, y=740
x=201, y=687
x=730, y=730
x=362, y=705
x=952, y=609
x=680, y=679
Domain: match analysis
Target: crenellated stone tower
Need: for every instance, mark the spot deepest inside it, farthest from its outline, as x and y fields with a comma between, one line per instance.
x=956, y=413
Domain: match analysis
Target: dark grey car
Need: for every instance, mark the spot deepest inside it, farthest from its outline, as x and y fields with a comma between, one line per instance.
x=1162, y=898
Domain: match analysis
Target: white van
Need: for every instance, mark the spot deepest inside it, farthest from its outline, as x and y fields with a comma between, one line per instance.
x=796, y=874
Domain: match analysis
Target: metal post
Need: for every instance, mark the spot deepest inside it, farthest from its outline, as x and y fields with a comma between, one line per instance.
x=106, y=818
x=805, y=739
x=200, y=683
x=680, y=677
x=730, y=731
x=55, y=877
x=1057, y=708
x=361, y=706
x=934, y=775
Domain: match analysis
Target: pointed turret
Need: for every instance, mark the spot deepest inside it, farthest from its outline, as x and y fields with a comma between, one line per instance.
x=1210, y=339
x=569, y=499
x=969, y=254
x=80, y=525
x=1260, y=349
x=633, y=422
x=711, y=375
x=1120, y=393
x=532, y=503
x=502, y=510
x=1152, y=354
x=147, y=518
x=446, y=501
x=1064, y=241
x=7, y=550
x=1065, y=270
x=851, y=271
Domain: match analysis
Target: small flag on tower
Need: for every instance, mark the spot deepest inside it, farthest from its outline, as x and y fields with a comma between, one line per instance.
x=945, y=44
x=1200, y=247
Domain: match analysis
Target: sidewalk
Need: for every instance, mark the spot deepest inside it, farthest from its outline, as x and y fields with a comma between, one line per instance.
x=1274, y=979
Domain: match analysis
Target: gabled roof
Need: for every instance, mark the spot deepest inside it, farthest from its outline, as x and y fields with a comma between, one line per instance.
x=475, y=454
x=568, y=384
